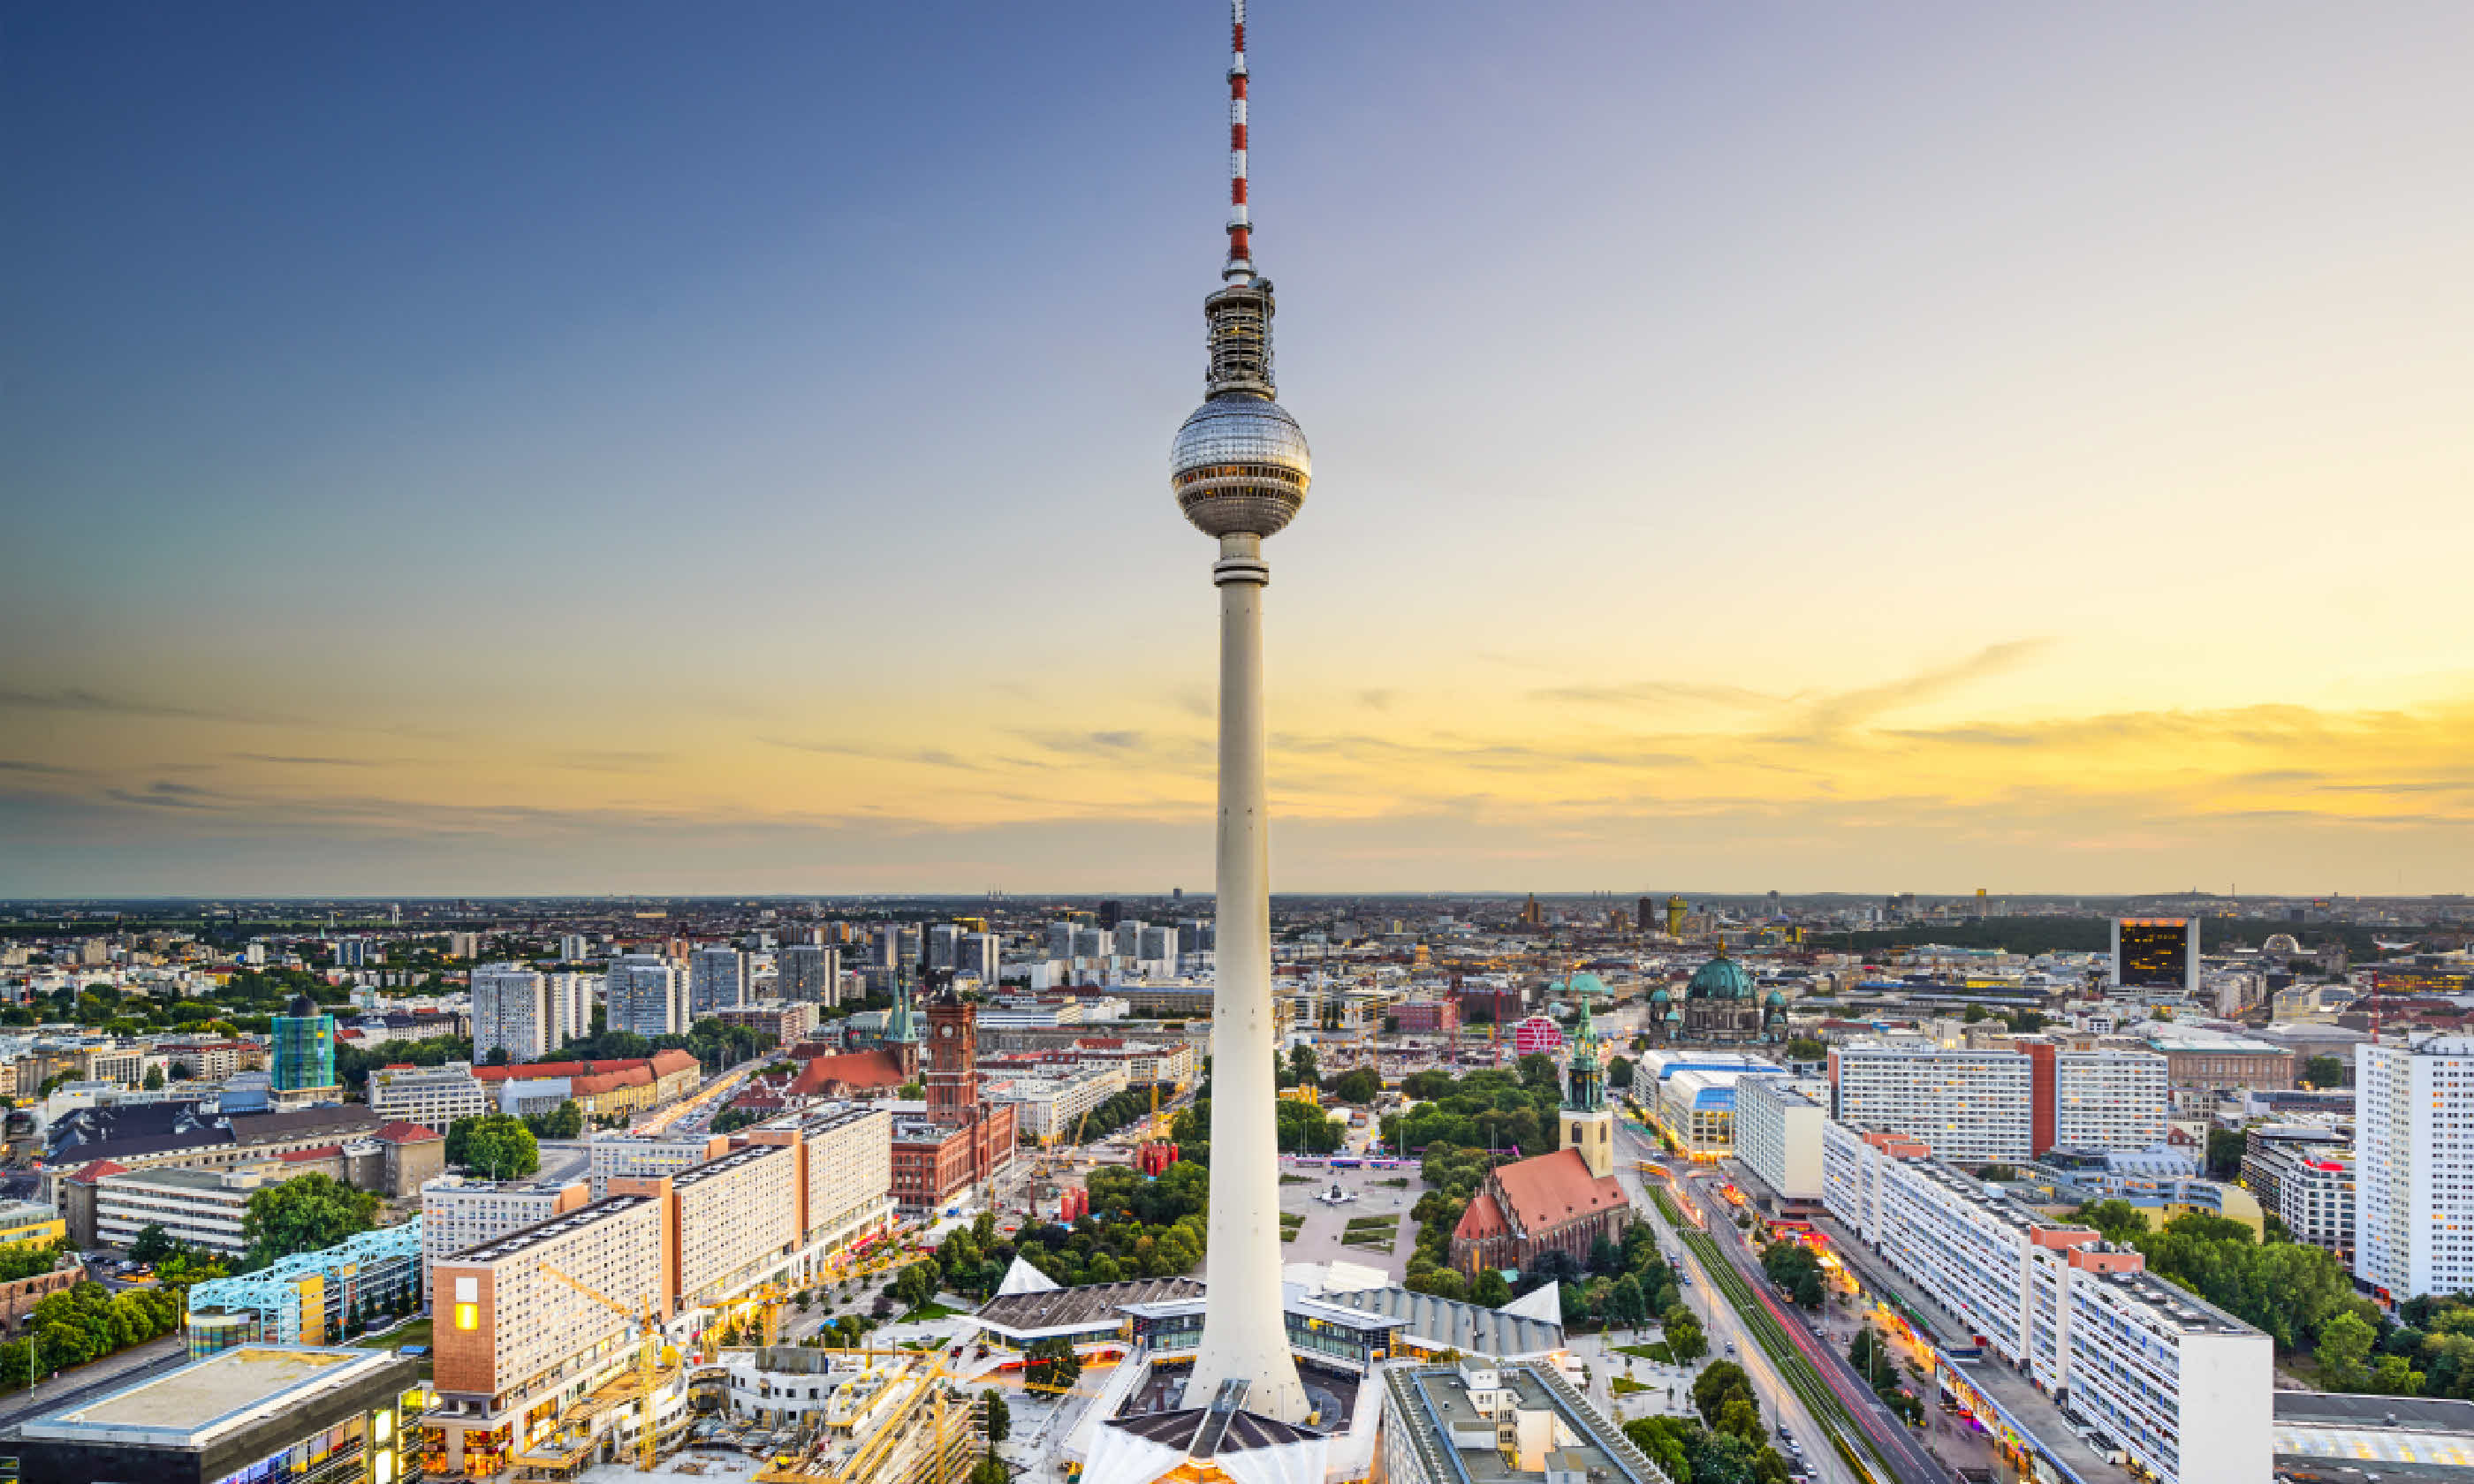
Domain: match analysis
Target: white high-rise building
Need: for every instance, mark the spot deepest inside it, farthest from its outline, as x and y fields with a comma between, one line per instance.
x=2185, y=1388
x=1972, y=1107
x=2107, y=1098
x=1989, y=1106
x=716, y=980
x=1159, y=944
x=511, y=1010
x=943, y=946
x=1778, y=1135
x=646, y=995
x=811, y=973
x=573, y=948
x=2413, y=1158
x=571, y=998
x=978, y=954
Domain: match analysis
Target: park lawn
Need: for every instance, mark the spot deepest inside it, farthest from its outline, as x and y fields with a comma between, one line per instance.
x=929, y=1313
x=1624, y=1385
x=1656, y=1351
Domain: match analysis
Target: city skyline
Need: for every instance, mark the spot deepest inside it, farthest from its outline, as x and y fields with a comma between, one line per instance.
x=1920, y=451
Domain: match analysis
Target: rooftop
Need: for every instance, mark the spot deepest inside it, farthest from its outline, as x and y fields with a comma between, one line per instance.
x=1080, y=1307
x=1434, y=1402
x=188, y=1407
x=500, y=1249
x=1448, y=1324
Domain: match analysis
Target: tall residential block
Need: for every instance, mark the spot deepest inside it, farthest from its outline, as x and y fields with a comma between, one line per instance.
x=644, y=995
x=717, y=979
x=2413, y=1153
x=511, y=1012
x=811, y=973
x=2183, y=1387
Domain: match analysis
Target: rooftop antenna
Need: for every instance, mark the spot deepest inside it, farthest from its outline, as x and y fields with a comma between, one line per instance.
x=1240, y=267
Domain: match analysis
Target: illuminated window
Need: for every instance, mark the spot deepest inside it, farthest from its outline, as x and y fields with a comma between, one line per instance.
x=468, y=1316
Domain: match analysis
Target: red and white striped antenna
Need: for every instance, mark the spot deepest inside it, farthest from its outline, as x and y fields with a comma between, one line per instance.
x=1241, y=259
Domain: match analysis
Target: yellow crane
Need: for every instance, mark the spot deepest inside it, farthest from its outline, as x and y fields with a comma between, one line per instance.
x=649, y=1357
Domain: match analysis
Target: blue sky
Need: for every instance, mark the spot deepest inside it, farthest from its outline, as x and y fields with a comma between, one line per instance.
x=613, y=446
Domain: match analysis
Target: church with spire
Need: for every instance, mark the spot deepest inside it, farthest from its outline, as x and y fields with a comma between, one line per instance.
x=1560, y=1201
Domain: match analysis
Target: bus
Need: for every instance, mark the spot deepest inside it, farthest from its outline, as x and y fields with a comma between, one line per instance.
x=1346, y=1161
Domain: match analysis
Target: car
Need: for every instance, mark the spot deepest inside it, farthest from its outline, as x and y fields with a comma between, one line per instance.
x=1785, y=1433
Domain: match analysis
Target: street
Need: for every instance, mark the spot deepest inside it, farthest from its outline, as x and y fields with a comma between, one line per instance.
x=1892, y=1439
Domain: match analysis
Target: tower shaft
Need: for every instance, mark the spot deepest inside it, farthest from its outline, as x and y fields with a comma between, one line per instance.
x=1245, y=1330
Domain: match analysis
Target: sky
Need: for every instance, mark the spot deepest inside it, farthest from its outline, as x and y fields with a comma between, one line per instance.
x=627, y=447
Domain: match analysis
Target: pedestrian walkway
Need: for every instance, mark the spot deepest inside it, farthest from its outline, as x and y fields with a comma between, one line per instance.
x=2027, y=1408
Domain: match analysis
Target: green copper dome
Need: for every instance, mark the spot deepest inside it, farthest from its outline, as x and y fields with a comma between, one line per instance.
x=1658, y=996
x=1720, y=978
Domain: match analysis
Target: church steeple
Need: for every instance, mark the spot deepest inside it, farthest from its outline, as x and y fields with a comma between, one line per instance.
x=1587, y=1124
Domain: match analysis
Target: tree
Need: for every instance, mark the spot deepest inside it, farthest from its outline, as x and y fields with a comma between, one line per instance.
x=1000, y=1417
x=2324, y=1071
x=2225, y=1150
x=1303, y=1069
x=1685, y=1340
x=1809, y=1290
x=1489, y=1289
x=151, y=1244
x=496, y=1144
x=1359, y=1084
x=2117, y=1220
x=153, y=1079
x=1619, y=1072
x=1053, y=1363
x=2345, y=1344
x=1975, y=1012
x=1605, y=1257
x=1626, y=1306
x=1804, y=1048
x=499, y=1056
x=305, y=1213
x=1715, y=1385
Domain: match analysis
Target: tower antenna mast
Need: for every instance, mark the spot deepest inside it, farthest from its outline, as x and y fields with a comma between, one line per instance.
x=1241, y=228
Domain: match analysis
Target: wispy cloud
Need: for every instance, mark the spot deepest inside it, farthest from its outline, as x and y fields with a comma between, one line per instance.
x=75, y=698
x=1834, y=714
x=295, y=760
x=926, y=756
x=592, y=760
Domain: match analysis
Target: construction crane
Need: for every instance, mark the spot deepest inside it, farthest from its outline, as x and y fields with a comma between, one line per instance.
x=648, y=1359
x=871, y=1456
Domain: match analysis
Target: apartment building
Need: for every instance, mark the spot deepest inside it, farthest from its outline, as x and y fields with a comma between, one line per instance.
x=1974, y=1107
x=2180, y=1385
x=511, y=1012
x=458, y=1213
x=435, y=1096
x=513, y=1347
x=717, y=979
x=197, y=1207
x=1051, y=1108
x=512, y=1354
x=628, y=1156
x=2413, y=1152
x=2303, y=1175
x=736, y=1216
x=1778, y=1135
x=2103, y=1099
x=810, y=973
x=1988, y=1104
x=782, y=1023
x=849, y=1191
x=645, y=993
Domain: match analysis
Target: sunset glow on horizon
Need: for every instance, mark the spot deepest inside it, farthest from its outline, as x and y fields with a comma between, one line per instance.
x=661, y=450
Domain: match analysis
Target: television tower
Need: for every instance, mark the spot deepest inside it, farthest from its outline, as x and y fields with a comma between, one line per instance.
x=1239, y=468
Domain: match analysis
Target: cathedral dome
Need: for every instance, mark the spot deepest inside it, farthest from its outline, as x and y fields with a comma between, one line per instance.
x=1720, y=978
x=1776, y=997
x=1660, y=996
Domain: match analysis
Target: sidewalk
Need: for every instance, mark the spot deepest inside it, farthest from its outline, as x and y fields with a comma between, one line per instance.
x=2028, y=1407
